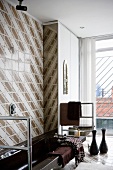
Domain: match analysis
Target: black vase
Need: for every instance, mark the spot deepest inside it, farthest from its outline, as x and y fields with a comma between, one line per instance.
x=93, y=148
x=103, y=146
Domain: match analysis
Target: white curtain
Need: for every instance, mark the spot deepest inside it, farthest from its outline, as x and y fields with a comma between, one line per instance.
x=87, y=73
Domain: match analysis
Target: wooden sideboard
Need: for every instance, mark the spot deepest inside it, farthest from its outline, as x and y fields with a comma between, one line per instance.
x=41, y=146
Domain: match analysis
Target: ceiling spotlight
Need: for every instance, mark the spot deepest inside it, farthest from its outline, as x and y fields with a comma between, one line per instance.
x=20, y=7
x=82, y=27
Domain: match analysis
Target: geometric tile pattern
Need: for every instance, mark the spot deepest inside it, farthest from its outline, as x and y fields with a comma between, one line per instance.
x=50, y=79
x=21, y=73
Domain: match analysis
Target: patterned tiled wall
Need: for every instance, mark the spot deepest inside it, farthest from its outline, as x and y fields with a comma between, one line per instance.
x=21, y=73
x=50, y=78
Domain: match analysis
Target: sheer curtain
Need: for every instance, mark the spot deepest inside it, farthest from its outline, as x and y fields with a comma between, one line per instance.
x=87, y=74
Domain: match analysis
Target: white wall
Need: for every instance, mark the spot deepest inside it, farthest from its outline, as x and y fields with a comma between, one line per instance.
x=74, y=69
x=67, y=50
x=63, y=54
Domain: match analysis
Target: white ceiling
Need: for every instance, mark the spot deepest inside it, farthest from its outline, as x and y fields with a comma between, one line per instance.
x=95, y=15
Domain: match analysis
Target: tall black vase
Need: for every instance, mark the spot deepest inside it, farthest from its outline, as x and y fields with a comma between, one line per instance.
x=103, y=146
x=93, y=148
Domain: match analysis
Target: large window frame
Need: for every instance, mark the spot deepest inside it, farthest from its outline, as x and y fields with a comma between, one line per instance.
x=104, y=121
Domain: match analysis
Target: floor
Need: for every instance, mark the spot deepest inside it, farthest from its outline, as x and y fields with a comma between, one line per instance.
x=106, y=159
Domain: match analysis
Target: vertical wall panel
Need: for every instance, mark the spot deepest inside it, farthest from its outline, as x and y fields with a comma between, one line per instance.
x=67, y=50
x=74, y=69
x=50, y=77
x=64, y=54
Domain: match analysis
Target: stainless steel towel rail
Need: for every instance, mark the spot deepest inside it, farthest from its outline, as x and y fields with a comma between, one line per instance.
x=28, y=148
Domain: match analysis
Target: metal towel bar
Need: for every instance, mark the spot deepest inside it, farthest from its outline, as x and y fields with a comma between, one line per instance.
x=28, y=148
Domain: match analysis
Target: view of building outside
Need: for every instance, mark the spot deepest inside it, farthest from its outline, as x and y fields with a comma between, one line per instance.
x=104, y=83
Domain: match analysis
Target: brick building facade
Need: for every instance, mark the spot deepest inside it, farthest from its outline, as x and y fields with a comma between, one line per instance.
x=104, y=106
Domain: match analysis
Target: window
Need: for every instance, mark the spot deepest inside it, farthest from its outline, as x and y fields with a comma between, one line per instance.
x=104, y=82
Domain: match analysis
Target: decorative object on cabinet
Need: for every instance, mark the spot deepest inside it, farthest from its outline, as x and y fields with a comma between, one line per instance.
x=103, y=146
x=93, y=149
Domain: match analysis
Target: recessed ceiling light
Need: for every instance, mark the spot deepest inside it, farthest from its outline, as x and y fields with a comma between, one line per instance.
x=82, y=27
